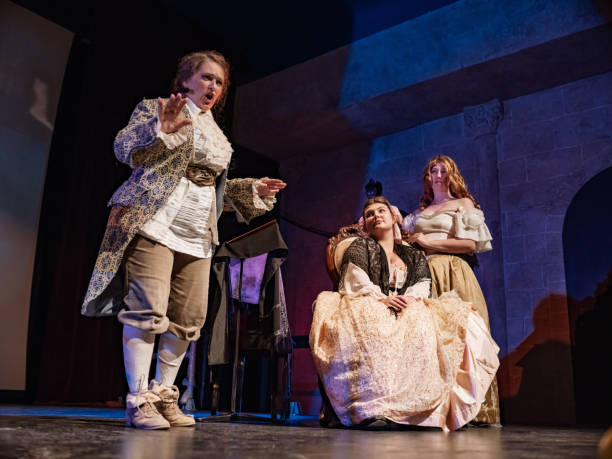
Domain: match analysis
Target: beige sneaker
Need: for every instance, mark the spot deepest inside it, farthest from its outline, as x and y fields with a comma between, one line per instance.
x=168, y=405
x=141, y=412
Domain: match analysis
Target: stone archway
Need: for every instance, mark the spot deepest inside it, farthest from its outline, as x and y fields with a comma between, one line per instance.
x=587, y=248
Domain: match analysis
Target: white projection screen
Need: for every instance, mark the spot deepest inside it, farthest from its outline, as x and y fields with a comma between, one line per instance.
x=33, y=57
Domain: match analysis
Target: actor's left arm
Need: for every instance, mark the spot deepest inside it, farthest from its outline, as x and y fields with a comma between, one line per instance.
x=252, y=197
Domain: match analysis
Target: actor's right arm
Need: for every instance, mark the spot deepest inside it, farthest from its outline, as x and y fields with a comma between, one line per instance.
x=139, y=134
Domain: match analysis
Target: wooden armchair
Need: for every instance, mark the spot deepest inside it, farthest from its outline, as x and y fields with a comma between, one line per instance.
x=336, y=246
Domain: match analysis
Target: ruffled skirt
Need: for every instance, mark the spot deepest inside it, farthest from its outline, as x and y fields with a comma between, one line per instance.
x=429, y=366
x=451, y=273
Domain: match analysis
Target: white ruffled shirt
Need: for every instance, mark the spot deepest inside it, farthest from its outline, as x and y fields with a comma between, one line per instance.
x=458, y=223
x=187, y=222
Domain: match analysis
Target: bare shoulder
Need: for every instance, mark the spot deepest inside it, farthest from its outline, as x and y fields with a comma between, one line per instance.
x=466, y=203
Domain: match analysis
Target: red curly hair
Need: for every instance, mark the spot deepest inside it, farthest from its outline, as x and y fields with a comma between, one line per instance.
x=456, y=184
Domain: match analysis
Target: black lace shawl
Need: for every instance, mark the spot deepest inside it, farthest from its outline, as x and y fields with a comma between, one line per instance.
x=368, y=255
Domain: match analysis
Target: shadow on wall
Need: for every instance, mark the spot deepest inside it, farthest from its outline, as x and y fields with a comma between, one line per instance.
x=538, y=370
x=592, y=354
x=587, y=249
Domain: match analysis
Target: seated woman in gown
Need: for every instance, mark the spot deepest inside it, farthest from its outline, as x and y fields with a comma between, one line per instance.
x=385, y=351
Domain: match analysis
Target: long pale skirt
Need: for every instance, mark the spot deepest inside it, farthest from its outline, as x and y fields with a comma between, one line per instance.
x=448, y=273
x=430, y=366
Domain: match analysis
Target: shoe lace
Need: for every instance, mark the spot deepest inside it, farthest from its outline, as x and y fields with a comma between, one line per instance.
x=147, y=409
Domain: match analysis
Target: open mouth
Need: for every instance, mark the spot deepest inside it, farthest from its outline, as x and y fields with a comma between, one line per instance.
x=209, y=97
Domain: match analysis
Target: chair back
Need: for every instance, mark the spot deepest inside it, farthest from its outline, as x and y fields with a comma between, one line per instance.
x=336, y=247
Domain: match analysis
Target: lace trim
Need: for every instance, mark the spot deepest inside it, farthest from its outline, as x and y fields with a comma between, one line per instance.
x=369, y=256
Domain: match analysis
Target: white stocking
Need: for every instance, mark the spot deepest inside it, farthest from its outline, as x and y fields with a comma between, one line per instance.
x=170, y=354
x=137, y=353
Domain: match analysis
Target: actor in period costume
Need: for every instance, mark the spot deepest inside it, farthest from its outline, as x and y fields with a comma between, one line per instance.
x=385, y=351
x=154, y=262
x=450, y=227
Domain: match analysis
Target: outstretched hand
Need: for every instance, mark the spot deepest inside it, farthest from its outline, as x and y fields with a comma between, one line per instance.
x=269, y=187
x=171, y=114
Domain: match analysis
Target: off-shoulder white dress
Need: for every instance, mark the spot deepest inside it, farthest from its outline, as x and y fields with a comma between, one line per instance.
x=452, y=272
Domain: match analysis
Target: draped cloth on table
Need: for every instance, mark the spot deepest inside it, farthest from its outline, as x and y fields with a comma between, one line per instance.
x=272, y=309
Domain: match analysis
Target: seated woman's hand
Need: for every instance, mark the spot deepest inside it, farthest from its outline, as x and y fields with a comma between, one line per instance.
x=171, y=114
x=399, y=302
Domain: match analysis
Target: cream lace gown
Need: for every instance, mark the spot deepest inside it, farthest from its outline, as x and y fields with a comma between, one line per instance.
x=429, y=365
x=452, y=273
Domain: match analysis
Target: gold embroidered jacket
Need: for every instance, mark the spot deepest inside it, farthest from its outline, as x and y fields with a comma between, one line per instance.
x=156, y=172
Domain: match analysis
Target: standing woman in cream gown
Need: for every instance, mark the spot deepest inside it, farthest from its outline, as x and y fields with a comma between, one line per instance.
x=450, y=226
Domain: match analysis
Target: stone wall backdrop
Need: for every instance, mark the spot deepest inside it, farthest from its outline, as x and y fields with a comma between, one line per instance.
x=551, y=143
x=520, y=95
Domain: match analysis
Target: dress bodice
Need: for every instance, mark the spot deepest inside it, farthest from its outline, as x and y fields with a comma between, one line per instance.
x=459, y=223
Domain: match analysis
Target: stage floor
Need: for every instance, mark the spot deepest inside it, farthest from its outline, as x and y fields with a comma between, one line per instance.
x=33, y=432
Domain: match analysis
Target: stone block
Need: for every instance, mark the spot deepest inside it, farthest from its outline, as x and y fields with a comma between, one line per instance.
x=584, y=127
x=554, y=223
x=528, y=221
x=588, y=93
x=463, y=153
x=554, y=272
x=597, y=156
x=597, y=164
x=553, y=163
x=443, y=131
x=554, y=247
x=536, y=247
x=598, y=149
x=403, y=143
x=547, y=196
x=514, y=249
x=520, y=276
x=558, y=288
x=398, y=169
x=512, y=172
x=540, y=106
x=515, y=333
x=518, y=303
x=525, y=140
x=522, y=197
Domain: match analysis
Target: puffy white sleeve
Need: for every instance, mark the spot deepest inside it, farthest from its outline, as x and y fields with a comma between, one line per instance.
x=357, y=282
x=408, y=223
x=173, y=139
x=419, y=290
x=471, y=225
